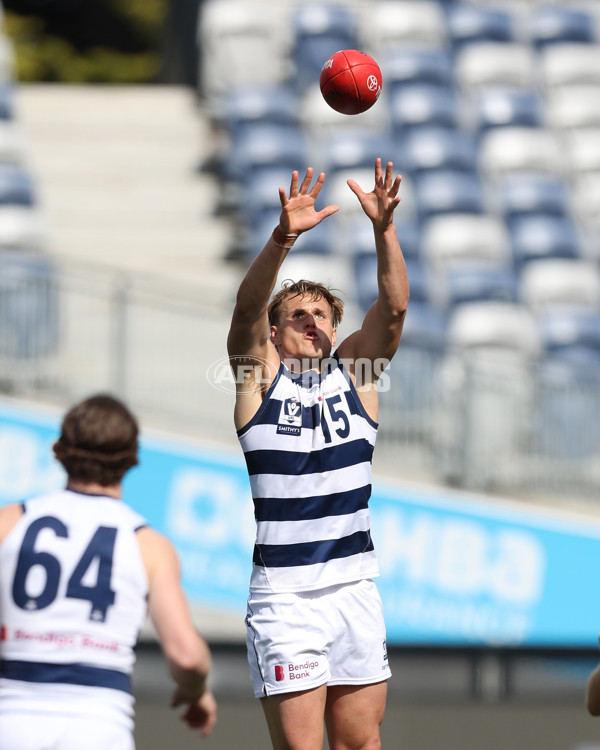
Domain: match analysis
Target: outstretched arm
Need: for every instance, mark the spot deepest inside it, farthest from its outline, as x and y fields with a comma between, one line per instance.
x=186, y=652
x=249, y=331
x=252, y=356
x=382, y=327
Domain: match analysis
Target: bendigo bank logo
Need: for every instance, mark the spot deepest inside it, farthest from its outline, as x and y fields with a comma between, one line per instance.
x=295, y=671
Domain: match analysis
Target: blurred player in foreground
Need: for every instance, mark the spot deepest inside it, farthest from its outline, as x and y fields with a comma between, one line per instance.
x=307, y=422
x=78, y=571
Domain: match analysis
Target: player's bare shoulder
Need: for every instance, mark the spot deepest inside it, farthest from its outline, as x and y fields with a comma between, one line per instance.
x=253, y=377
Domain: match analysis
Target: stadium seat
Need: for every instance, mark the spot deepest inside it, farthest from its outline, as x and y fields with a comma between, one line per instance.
x=317, y=267
x=526, y=193
x=464, y=285
x=494, y=326
x=336, y=192
x=471, y=23
x=583, y=151
x=447, y=192
x=259, y=193
x=553, y=24
x=501, y=106
x=319, y=30
x=405, y=65
x=389, y=25
x=6, y=102
x=12, y=142
x=240, y=44
x=28, y=305
x=265, y=146
x=438, y=148
x=465, y=240
x=348, y=150
x=358, y=237
x=417, y=105
x=560, y=282
x=22, y=227
x=586, y=198
x=16, y=186
x=365, y=275
x=319, y=120
x=252, y=105
x=571, y=334
x=575, y=106
x=425, y=327
x=537, y=237
x=519, y=149
x=568, y=64
x=494, y=64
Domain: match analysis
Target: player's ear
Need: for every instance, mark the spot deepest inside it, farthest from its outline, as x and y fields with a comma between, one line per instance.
x=273, y=333
x=333, y=336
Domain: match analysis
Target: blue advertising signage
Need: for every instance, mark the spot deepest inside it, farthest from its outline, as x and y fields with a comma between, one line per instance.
x=456, y=569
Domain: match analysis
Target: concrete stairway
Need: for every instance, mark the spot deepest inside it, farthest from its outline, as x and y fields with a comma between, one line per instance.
x=118, y=180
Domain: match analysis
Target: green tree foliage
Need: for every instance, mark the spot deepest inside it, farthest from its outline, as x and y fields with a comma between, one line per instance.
x=86, y=41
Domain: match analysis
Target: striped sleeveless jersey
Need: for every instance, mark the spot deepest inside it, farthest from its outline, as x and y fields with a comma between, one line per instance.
x=73, y=592
x=308, y=451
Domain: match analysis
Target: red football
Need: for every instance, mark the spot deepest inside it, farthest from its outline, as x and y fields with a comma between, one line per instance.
x=350, y=81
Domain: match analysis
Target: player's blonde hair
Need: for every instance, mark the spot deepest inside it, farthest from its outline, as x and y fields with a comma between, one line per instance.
x=314, y=290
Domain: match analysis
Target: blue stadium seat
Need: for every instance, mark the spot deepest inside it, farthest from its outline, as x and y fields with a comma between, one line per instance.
x=28, y=305
x=361, y=239
x=351, y=149
x=6, y=102
x=365, y=274
x=502, y=106
x=472, y=23
x=251, y=105
x=478, y=284
x=16, y=186
x=535, y=237
x=553, y=24
x=438, y=148
x=319, y=241
x=259, y=193
x=529, y=193
x=318, y=31
x=447, y=191
x=425, y=327
x=416, y=105
x=572, y=334
x=407, y=65
x=266, y=146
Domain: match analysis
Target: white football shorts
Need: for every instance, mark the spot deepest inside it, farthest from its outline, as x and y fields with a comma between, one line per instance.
x=333, y=636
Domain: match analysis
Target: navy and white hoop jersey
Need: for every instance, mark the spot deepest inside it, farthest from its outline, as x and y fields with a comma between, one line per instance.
x=308, y=450
x=73, y=591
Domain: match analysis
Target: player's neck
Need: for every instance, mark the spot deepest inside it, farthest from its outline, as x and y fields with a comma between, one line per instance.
x=93, y=488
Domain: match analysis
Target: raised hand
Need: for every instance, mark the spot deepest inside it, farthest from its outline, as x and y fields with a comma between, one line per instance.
x=298, y=209
x=380, y=204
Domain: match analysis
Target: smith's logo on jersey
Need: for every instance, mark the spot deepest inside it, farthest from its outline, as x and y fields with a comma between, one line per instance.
x=290, y=418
